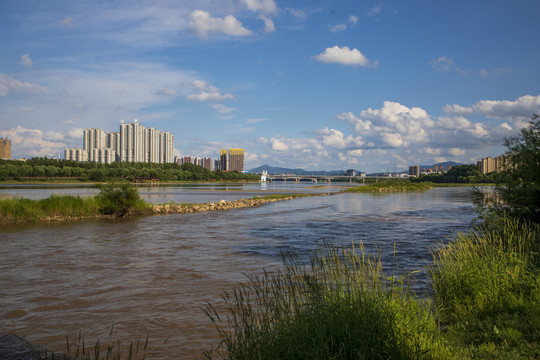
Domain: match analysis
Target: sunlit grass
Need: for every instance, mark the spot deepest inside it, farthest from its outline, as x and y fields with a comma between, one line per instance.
x=392, y=186
x=487, y=290
x=341, y=306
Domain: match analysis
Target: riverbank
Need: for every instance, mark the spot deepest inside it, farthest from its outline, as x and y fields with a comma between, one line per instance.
x=61, y=208
x=392, y=186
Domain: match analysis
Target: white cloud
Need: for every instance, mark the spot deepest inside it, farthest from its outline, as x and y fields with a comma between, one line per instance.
x=34, y=142
x=9, y=84
x=208, y=93
x=353, y=19
x=26, y=61
x=337, y=28
x=443, y=64
x=167, y=91
x=345, y=56
x=521, y=108
x=335, y=139
x=203, y=24
x=278, y=145
x=268, y=24
x=265, y=6
x=375, y=10
x=255, y=121
x=222, y=109
x=394, y=124
x=68, y=22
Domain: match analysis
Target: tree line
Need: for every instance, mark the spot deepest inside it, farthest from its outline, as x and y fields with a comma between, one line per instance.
x=42, y=168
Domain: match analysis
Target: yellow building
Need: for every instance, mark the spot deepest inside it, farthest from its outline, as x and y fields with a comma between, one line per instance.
x=236, y=160
x=5, y=149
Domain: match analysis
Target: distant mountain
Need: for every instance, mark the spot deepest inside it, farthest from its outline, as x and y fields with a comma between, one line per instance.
x=279, y=170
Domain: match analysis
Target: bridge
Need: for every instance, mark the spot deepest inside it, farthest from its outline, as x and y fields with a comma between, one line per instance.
x=318, y=178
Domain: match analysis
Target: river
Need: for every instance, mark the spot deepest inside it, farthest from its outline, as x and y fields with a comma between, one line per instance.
x=152, y=275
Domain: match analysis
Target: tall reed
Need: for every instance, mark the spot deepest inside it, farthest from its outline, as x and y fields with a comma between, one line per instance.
x=21, y=209
x=341, y=306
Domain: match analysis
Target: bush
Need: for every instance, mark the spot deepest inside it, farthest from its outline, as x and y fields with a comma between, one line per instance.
x=119, y=199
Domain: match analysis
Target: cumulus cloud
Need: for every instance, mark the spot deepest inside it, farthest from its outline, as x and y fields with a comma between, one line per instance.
x=264, y=6
x=26, y=61
x=203, y=24
x=336, y=139
x=520, y=109
x=205, y=92
x=34, y=142
x=345, y=56
x=394, y=125
x=9, y=84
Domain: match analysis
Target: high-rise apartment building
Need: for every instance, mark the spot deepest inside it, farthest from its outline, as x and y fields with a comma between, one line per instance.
x=223, y=163
x=133, y=143
x=236, y=160
x=5, y=149
x=231, y=161
x=414, y=170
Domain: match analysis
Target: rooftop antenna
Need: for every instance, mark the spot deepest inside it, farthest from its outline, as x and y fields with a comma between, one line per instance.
x=135, y=120
x=122, y=121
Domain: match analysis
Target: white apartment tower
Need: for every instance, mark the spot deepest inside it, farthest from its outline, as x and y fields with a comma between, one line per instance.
x=166, y=147
x=133, y=143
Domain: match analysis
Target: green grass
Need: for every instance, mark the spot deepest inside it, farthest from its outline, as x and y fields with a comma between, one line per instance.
x=340, y=307
x=26, y=210
x=392, y=185
x=487, y=291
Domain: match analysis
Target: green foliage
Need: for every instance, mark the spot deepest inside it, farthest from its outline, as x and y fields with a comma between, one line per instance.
x=391, y=186
x=520, y=194
x=21, y=210
x=91, y=171
x=462, y=174
x=119, y=199
x=487, y=290
x=340, y=307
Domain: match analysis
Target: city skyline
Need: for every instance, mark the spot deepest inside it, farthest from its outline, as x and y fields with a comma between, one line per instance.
x=310, y=84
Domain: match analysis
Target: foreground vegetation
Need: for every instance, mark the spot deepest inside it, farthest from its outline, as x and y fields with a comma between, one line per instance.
x=114, y=199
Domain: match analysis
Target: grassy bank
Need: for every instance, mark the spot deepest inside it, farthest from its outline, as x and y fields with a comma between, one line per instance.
x=16, y=210
x=392, y=186
x=486, y=304
x=487, y=291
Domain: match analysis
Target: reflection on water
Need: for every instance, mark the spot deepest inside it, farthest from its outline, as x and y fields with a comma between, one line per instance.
x=151, y=275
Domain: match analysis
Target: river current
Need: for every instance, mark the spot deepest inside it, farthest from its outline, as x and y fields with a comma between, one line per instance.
x=152, y=275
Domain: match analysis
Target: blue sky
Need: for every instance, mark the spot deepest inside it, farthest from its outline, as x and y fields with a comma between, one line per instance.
x=320, y=85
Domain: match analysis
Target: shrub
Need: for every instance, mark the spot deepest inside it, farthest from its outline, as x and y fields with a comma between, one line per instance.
x=119, y=199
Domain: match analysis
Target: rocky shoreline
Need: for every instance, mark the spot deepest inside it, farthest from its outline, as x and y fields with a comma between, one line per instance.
x=161, y=209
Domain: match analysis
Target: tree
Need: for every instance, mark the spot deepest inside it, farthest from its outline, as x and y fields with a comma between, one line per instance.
x=521, y=193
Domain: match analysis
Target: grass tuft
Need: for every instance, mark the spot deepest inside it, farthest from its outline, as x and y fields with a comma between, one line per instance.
x=339, y=307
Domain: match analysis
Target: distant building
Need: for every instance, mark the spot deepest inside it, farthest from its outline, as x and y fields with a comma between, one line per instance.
x=350, y=173
x=236, y=160
x=133, y=143
x=489, y=164
x=414, y=170
x=223, y=163
x=5, y=149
